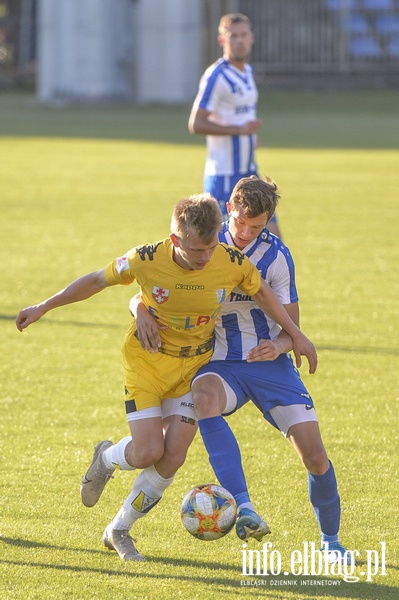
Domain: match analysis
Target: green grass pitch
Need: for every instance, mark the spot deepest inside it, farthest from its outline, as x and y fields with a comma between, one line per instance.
x=79, y=186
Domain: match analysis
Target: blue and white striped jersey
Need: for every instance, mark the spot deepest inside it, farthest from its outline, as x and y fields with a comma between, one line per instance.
x=230, y=95
x=241, y=324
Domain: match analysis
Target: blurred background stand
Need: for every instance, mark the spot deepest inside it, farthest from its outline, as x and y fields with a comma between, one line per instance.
x=154, y=51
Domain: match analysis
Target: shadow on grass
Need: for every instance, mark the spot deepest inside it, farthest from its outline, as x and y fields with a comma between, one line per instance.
x=294, y=120
x=348, y=349
x=73, y=323
x=23, y=543
x=362, y=350
x=126, y=574
x=304, y=586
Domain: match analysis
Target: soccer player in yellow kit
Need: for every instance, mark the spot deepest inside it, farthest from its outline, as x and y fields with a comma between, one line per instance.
x=183, y=281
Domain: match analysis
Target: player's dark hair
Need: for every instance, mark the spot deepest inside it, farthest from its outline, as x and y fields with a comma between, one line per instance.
x=255, y=196
x=200, y=214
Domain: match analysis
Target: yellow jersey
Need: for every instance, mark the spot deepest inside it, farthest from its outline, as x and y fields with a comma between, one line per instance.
x=184, y=301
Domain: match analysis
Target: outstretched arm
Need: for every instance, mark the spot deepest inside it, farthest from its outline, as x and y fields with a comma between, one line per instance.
x=78, y=290
x=267, y=300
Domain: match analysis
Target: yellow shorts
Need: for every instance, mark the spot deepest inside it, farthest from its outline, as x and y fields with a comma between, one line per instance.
x=151, y=378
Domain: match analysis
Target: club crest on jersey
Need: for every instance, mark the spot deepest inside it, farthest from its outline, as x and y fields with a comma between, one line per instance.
x=238, y=90
x=221, y=295
x=160, y=295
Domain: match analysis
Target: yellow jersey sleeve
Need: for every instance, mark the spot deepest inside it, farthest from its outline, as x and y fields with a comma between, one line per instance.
x=127, y=268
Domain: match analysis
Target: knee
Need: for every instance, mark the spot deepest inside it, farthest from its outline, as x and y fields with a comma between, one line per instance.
x=206, y=403
x=316, y=461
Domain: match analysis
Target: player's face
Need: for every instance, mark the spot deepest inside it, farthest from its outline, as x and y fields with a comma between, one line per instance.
x=191, y=252
x=244, y=229
x=236, y=41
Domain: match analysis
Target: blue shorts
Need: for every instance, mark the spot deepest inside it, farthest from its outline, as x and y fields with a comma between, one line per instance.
x=267, y=383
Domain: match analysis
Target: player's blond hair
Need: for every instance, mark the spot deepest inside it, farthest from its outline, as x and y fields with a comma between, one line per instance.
x=199, y=214
x=255, y=196
x=232, y=19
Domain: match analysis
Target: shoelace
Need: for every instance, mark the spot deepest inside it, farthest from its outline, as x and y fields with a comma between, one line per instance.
x=98, y=481
x=127, y=542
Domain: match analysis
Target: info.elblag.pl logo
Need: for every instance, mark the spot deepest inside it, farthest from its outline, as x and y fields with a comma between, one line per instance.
x=313, y=561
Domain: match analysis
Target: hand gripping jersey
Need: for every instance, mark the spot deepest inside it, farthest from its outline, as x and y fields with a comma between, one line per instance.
x=231, y=96
x=241, y=324
x=185, y=301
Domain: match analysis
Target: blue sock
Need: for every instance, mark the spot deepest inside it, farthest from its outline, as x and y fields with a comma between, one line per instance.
x=224, y=456
x=323, y=494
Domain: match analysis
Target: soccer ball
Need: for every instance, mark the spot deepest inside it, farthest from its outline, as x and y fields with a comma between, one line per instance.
x=208, y=511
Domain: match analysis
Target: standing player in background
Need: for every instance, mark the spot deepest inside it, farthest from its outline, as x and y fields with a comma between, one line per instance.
x=225, y=111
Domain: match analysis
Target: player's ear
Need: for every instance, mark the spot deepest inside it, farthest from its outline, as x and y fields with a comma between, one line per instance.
x=229, y=208
x=175, y=240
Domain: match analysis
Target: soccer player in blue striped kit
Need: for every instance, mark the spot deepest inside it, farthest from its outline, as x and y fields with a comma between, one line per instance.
x=251, y=361
x=231, y=377
x=225, y=111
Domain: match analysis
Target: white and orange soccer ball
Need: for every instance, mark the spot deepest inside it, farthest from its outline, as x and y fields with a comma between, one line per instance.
x=208, y=511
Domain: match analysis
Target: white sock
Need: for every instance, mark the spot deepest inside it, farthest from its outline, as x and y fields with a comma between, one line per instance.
x=114, y=457
x=147, y=491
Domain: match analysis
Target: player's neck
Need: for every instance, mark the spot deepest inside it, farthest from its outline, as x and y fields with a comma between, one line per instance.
x=238, y=64
x=179, y=260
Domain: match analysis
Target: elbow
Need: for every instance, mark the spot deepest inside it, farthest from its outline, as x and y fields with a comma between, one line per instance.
x=192, y=127
x=99, y=281
x=196, y=123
